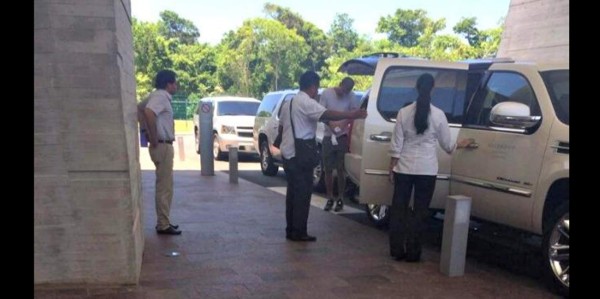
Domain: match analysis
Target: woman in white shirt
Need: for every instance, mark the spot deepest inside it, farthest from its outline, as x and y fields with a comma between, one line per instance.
x=420, y=127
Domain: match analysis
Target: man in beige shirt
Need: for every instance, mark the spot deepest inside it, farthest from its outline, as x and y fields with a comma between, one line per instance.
x=159, y=123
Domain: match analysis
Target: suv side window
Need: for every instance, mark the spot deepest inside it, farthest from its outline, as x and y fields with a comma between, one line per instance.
x=267, y=105
x=398, y=90
x=500, y=87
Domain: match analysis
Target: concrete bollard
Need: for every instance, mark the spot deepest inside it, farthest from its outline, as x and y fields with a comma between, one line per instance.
x=455, y=234
x=233, y=165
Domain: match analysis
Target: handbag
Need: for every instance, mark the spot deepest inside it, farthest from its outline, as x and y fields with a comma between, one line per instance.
x=307, y=153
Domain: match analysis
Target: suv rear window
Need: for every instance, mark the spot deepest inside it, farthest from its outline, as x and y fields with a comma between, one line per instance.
x=268, y=104
x=398, y=90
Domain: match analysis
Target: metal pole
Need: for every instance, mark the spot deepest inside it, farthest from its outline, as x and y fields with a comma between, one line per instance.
x=455, y=234
x=233, y=165
x=207, y=166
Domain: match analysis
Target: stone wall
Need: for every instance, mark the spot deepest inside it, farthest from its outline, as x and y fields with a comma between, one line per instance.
x=536, y=30
x=87, y=189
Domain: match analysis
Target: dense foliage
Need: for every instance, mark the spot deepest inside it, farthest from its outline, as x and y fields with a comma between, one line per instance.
x=270, y=53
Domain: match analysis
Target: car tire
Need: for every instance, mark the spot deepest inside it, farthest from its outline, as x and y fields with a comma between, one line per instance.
x=555, y=247
x=378, y=214
x=266, y=160
x=218, y=154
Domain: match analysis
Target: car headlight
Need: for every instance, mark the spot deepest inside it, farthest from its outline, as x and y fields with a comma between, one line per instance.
x=227, y=129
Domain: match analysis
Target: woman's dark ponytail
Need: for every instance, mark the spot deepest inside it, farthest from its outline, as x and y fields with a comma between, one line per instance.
x=424, y=86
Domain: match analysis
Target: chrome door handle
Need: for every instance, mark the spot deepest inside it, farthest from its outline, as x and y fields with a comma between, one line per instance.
x=381, y=137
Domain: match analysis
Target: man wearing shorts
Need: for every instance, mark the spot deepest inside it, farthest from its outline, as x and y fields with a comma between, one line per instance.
x=335, y=139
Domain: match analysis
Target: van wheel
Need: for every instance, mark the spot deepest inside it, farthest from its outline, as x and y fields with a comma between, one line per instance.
x=217, y=153
x=555, y=249
x=378, y=214
x=266, y=160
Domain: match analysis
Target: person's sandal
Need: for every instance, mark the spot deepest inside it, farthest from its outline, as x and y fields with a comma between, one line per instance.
x=339, y=206
x=328, y=205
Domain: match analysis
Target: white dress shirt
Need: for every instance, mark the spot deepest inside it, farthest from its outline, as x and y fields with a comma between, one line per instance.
x=330, y=100
x=159, y=101
x=306, y=112
x=417, y=153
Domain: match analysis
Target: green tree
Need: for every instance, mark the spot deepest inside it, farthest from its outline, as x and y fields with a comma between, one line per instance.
x=405, y=26
x=173, y=26
x=151, y=54
x=342, y=33
x=260, y=56
x=467, y=28
x=319, y=43
x=195, y=66
x=489, y=42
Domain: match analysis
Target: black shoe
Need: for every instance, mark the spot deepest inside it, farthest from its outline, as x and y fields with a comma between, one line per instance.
x=175, y=226
x=305, y=238
x=339, y=205
x=328, y=205
x=168, y=231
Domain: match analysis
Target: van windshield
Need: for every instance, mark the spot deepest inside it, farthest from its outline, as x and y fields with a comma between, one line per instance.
x=237, y=108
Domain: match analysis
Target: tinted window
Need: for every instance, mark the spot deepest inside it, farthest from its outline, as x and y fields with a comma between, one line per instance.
x=267, y=105
x=500, y=87
x=557, y=83
x=237, y=108
x=398, y=90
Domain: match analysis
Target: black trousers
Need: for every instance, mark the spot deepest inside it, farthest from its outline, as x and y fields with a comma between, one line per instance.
x=297, y=197
x=406, y=224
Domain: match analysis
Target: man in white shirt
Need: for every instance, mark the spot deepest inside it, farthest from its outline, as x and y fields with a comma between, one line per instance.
x=158, y=116
x=305, y=113
x=335, y=139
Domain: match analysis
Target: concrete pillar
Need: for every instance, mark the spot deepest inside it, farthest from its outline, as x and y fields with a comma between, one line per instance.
x=87, y=192
x=455, y=235
x=536, y=30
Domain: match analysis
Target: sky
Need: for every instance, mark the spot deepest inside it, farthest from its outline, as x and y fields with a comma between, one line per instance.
x=216, y=17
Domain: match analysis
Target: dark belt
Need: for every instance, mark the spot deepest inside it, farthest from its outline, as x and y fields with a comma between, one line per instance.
x=166, y=141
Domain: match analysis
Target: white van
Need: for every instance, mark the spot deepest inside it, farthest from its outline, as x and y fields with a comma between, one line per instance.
x=233, y=120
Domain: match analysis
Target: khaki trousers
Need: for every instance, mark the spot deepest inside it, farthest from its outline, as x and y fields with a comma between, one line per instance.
x=162, y=156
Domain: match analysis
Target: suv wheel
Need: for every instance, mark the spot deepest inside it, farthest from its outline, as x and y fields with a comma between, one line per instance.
x=217, y=153
x=266, y=161
x=378, y=214
x=555, y=248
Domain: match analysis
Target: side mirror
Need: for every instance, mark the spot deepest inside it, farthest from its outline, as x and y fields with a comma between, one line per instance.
x=513, y=115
